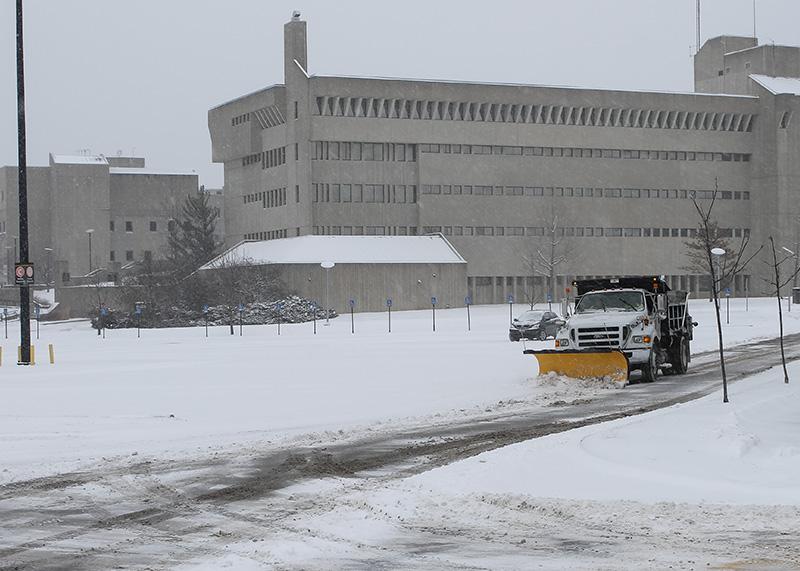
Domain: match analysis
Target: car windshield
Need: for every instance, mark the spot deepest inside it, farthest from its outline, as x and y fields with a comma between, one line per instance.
x=531, y=316
x=611, y=301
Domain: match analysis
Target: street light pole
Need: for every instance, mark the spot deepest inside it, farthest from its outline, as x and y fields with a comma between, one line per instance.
x=48, y=274
x=327, y=266
x=24, y=291
x=90, y=231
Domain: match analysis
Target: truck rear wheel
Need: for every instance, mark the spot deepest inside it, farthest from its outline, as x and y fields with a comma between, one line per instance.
x=679, y=357
x=650, y=369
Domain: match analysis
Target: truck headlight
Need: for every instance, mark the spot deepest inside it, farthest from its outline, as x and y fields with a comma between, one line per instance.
x=641, y=339
x=562, y=342
x=637, y=338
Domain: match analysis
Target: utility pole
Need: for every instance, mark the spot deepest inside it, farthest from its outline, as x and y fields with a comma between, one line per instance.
x=24, y=292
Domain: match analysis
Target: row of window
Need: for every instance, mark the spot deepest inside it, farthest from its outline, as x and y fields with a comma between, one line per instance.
x=267, y=198
x=240, y=119
x=148, y=255
x=577, y=115
x=349, y=151
x=268, y=159
x=129, y=226
x=267, y=235
x=485, y=190
x=582, y=152
x=365, y=230
x=580, y=231
x=377, y=193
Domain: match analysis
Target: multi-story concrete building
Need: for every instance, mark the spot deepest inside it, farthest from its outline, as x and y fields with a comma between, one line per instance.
x=91, y=213
x=497, y=167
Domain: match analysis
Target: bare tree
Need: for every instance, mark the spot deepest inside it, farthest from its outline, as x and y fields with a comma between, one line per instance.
x=777, y=282
x=720, y=273
x=696, y=248
x=235, y=280
x=549, y=252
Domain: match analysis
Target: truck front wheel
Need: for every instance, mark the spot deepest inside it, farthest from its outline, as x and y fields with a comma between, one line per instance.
x=650, y=369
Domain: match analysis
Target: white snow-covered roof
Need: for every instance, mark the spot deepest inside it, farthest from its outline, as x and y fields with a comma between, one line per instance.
x=134, y=170
x=430, y=249
x=778, y=85
x=79, y=159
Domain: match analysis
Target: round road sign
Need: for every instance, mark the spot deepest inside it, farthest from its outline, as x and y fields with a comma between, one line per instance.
x=20, y=271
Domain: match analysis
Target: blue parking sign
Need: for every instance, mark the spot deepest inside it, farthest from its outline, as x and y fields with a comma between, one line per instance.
x=510, y=298
x=352, y=303
x=549, y=297
x=467, y=300
x=205, y=308
x=727, y=292
x=433, y=301
x=389, y=302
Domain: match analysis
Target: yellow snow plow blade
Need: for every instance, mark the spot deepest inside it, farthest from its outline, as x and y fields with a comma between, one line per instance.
x=596, y=363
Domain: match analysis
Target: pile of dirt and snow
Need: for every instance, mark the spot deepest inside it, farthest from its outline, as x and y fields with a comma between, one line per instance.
x=291, y=309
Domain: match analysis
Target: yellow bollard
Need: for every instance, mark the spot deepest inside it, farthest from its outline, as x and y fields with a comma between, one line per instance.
x=1, y=356
x=33, y=354
x=50, y=348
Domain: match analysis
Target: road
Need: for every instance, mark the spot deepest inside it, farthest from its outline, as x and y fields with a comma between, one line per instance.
x=155, y=514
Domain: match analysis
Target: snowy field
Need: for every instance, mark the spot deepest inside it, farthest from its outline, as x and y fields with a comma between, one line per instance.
x=175, y=392
x=697, y=485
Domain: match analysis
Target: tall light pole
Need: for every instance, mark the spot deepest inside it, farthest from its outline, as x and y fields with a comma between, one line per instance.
x=24, y=291
x=48, y=273
x=89, y=232
x=327, y=266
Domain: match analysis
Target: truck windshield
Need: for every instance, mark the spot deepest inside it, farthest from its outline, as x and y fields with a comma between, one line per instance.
x=611, y=301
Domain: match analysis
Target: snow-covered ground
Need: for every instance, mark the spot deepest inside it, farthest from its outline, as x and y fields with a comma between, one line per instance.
x=697, y=485
x=175, y=392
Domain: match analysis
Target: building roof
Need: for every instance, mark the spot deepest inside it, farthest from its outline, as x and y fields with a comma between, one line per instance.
x=778, y=85
x=79, y=159
x=143, y=171
x=431, y=249
x=530, y=85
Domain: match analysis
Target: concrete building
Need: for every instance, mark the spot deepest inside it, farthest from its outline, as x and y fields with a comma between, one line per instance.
x=91, y=214
x=496, y=168
x=409, y=270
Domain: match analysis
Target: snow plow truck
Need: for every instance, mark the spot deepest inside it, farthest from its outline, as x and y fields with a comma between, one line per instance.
x=621, y=325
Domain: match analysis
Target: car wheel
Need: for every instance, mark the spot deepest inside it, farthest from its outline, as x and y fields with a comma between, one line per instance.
x=680, y=357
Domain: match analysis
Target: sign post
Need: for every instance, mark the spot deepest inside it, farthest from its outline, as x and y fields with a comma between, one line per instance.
x=389, y=305
x=205, y=315
x=138, y=307
x=352, y=318
x=327, y=267
x=5, y=319
x=38, y=313
x=433, y=307
x=510, y=309
x=241, y=314
x=103, y=315
x=468, y=302
x=280, y=315
x=314, y=315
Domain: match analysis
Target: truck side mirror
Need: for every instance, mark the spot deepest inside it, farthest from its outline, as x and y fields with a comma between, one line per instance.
x=661, y=303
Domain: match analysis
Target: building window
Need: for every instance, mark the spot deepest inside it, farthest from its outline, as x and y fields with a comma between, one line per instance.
x=297, y=193
x=296, y=110
x=171, y=225
x=111, y=225
x=128, y=226
x=129, y=255
x=112, y=256
x=148, y=256
x=297, y=151
x=153, y=226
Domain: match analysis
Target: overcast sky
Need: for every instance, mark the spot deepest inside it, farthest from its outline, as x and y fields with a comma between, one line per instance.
x=139, y=76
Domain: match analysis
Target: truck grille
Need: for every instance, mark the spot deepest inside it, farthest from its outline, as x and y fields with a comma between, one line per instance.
x=599, y=337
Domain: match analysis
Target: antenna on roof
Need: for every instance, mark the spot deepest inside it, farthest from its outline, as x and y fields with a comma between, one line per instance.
x=754, y=19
